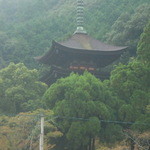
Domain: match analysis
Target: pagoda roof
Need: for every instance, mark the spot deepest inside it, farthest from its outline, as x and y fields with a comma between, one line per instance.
x=82, y=46
x=85, y=42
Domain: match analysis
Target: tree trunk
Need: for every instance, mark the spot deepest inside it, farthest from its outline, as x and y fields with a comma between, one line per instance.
x=90, y=144
x=132, y=144
x=93, y=144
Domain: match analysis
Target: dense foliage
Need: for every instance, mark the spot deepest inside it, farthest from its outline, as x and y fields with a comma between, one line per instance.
x=144, y=47
x=82, y=102
x=80, y=109
x=21, y=132
x=128, y=27
x=20, y=89
x=132, y=84
x=28, y=27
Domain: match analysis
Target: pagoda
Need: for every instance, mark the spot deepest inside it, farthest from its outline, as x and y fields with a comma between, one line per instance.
x=79, y=53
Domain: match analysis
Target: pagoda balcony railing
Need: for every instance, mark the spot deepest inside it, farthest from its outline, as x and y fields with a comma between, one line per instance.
x=79, y=69
x=82, y=68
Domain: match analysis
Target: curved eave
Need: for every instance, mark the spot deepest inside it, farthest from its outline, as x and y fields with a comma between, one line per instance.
x=51, y=56
x=62, y=47
x=44, y=58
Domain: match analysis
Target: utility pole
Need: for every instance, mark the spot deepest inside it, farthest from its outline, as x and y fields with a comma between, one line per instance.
x=41, y=145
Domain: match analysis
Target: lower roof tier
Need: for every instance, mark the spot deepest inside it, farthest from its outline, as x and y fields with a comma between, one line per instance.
x=63, y=57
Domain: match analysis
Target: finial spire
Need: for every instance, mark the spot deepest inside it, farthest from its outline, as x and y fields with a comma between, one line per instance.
x=80, y=17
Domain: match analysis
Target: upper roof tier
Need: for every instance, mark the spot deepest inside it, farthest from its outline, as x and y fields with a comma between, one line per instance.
x=85, y=42
x=81, y=47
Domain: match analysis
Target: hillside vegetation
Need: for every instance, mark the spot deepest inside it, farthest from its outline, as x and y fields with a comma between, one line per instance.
x=81, y=112
x=28, y=27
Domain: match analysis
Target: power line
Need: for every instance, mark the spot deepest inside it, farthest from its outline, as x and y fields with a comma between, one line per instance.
x=82, y=119
x=52, y=118
x=106, y=121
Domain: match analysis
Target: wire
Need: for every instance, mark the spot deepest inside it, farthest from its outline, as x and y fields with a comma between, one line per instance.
x=82, y=119
x=52, y=118
x=106, y=121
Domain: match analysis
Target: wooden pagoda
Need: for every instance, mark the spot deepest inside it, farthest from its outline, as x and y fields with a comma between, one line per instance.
x=77, y=54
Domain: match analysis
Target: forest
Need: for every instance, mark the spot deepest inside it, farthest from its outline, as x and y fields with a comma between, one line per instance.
x=81, y=112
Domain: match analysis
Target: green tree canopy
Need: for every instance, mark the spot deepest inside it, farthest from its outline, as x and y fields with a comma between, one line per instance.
x=132, y=84
x=80, y=102
x=143, y=50
x=20, y=89
x=128, y=28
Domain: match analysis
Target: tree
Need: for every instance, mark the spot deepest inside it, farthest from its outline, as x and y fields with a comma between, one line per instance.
x=132, y=84
x=29, y=33
x=3, y=39
x=20, y=89
x=128, y=28
x=143, y=50
x=22, y=132
x=125, y=82
x=80, y=102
